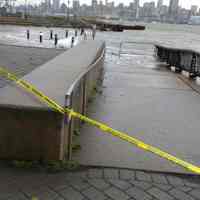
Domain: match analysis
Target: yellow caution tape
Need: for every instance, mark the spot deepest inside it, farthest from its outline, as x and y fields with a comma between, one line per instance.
x=53, y=105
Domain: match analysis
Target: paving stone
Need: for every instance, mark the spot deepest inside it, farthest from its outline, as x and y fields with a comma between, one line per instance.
x=123, y=185
x=163, y=186
x=18, y=196
x=36, y=191
x=79, y=174
x=111, y=173
x=47, y=196
x=99, y=184
x=159, y=194
x=195, y=193
x=180, y=195
x=159, y=178
x=5, y=195
x=93, y=194
x=95, y=173
x=59, y=198
x=192, y=183
x=79, y=184
x=58, y=187
x=141, y=184
x=126, y=174
x=116, y=194
x=69, y=186
x=143, y=176
x=184, y=188
x=174, y=180
x=138, y=194
x=70, y=194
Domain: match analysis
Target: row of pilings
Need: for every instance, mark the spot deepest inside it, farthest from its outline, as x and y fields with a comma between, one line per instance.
x=181, y=59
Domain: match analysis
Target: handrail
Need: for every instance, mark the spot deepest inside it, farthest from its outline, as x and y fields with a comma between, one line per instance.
x=74, y=84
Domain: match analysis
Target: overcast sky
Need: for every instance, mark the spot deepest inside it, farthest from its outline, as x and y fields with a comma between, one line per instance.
x=183, y=3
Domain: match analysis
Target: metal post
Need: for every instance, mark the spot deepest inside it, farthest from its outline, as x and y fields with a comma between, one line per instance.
x=120, y=49
x=68, y=2
x=193, y=66
x=69, y=124
x=25, y=12
x=56, y=40
x=28, y=34
x=72, y=42
x=84, y=95
x=51, y=34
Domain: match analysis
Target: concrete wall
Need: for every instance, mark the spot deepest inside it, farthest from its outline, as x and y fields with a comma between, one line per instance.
x=29, y=130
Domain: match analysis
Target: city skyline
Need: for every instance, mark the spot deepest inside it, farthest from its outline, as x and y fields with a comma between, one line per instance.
x=183, y=3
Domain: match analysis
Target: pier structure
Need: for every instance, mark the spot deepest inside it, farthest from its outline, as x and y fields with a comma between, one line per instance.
x=182, y=59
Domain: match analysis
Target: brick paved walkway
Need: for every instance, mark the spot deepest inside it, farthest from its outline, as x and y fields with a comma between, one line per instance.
x=96, y=184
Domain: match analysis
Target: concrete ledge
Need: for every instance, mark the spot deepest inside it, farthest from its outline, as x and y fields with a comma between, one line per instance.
x=28, y=128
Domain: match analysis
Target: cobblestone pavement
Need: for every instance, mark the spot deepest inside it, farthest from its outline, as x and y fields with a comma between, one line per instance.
x=96, y=184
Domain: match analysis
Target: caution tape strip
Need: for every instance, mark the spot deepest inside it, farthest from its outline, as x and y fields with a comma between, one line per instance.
x=105, y=128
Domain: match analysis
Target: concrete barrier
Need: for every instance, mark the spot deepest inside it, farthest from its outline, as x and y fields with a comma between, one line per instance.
x=29, y=130
x=181, y=59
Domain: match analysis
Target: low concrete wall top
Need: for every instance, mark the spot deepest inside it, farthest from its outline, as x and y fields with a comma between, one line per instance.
x=53, y=78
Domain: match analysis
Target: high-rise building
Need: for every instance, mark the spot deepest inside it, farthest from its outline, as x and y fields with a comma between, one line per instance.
x=194, y=10
x=106, y=2
x=173, y=8
x=149, y=9
x=56, y=5
x=76, y=7
x=159, y=4
x=137, y=8
x=48, y=5
x=94, y=6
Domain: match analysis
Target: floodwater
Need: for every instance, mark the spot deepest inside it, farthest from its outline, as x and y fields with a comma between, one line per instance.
x=184, y=36
x=16, y=35
x=139, y=96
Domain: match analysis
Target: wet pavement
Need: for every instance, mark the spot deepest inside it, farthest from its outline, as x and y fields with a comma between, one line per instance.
x=147, y=101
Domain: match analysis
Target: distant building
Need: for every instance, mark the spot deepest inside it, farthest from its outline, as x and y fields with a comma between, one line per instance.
x=173, y=10
x=159, y=4
x=56, y=5
x=48, y=6
x=194, y=20
x=158, y=10
x=148, y=12
x=183, y=16
x=173, y=7
x=101, y=8
x=194, y=10
x=137, y=8
x=94, y=7
x=76, y=7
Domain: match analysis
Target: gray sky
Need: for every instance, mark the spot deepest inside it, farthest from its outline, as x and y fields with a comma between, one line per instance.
x=183, y=3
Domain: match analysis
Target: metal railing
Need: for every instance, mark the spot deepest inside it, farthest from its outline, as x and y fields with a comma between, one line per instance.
x=78, y=96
